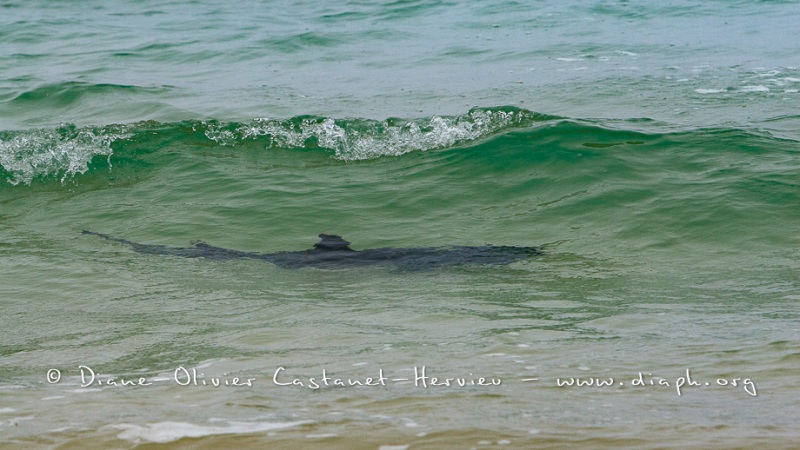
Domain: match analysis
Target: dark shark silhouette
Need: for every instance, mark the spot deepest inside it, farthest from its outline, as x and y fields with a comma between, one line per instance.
x=333, y=252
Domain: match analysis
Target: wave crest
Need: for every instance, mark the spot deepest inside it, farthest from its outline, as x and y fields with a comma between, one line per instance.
x=358, y=139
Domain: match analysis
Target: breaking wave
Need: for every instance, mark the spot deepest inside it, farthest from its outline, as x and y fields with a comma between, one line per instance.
x=67, y=151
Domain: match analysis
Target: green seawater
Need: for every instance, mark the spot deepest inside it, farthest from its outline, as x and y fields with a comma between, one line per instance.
x=664, y=251
x=652, y=151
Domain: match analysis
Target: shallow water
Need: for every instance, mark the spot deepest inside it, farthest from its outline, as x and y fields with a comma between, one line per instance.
x=651, y=150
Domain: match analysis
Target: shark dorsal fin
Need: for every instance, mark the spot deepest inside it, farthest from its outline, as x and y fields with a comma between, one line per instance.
x=332, y=242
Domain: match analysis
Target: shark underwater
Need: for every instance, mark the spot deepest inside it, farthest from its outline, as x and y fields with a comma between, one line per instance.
x=333, y=252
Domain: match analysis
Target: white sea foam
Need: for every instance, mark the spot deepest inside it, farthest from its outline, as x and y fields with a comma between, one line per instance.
x=367, y=139
x=163, y=432
x=63, y=152
x=758, y=88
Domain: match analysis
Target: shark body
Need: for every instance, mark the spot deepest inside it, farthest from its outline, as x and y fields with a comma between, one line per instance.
x=333, y=252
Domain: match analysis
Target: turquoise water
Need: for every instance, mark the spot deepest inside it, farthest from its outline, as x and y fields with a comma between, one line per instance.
x=651, y=150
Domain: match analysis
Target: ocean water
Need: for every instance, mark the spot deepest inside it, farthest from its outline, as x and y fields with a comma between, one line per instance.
x=651, y=149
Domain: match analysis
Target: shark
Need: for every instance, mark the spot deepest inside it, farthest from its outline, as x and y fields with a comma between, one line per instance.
x=333, y=252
